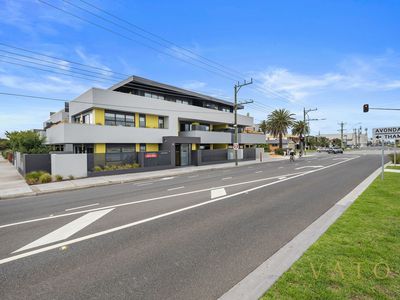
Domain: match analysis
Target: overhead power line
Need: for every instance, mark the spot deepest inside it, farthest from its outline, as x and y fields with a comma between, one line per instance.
x=263, y=89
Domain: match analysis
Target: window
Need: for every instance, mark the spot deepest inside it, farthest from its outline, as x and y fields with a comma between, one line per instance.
x=118, y=148
x=142, y=120
x=161, y=122
x=110, y=119
x=142, y=147
x=155, y=96
x=119, y=119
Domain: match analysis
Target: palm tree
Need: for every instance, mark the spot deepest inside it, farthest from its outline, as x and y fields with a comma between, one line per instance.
x=301, y=129
x=263, y=126
x=278, y=123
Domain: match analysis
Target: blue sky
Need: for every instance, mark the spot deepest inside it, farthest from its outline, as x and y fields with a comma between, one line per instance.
x=333, y=55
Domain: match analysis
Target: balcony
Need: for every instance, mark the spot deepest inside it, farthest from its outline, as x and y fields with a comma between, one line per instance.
x=217, y=137
x=251, y=138
x=86, y=133
x=209, y=137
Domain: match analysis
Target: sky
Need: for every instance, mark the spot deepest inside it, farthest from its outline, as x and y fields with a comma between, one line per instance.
x=330, y=55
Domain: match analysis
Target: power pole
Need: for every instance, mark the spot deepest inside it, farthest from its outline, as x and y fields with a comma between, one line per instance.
x=341, y=133
x=355, y=137
x=237, y=87
x=305, y=115
x=359, y=135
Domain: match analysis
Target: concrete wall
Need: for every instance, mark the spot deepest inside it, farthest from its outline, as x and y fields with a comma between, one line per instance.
x=69, y=164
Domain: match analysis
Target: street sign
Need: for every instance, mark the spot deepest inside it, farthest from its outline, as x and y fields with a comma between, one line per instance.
x=151, y=155
x=235, y=146
x=386, y=133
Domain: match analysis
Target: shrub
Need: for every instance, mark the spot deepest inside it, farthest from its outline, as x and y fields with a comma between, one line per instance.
x=59, y=178
x=45, y=178
x=71, y=177
x=97, y=169
x=33, y=177
x=279, y=151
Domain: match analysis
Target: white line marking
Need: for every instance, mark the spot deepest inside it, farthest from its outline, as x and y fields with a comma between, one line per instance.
x=93, y=235
x=193, y=176
x=226, y=178
x=100, y=233
x=259, y=172
x=167, y=178
x=163, y=197
x=218, y=193
x=67, y=230
x=280, y=168
x=74, y=208
x=299, y=168
x=144, y=183
x=143, y=201
x=280, y=178
x=175, y=188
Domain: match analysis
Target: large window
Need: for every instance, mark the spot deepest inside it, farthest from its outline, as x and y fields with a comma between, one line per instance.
x=119, y=119
x=142, y=120
x=161, y=122
x=155, y=96
x=142, y=147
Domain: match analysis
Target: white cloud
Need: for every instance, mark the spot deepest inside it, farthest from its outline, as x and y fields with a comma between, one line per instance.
x=93, y=60
x=52, y=85
x=194, y=85
x=357, y=73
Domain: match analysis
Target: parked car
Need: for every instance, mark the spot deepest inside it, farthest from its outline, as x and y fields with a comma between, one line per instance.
x=335, y=151
x=322, y=149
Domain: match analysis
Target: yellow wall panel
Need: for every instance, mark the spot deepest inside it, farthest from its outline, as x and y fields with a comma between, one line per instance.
x=99, y=117
x=99, y=148
x=151, y=147
x=220, y=146
x=151, y=121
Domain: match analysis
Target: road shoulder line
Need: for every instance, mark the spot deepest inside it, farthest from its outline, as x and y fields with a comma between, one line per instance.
x=254, y=285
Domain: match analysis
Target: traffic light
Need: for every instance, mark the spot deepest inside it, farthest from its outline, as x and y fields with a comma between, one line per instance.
x=366, y=108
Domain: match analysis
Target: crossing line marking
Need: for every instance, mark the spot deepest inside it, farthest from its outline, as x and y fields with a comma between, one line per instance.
x=217, y=193
x=67, y=230
x=79, y=207
x=176, y=188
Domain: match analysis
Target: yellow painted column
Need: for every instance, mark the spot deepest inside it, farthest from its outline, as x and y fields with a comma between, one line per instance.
x=99, y=148
x=136, y=119
x=99, y=116
x=137, y=147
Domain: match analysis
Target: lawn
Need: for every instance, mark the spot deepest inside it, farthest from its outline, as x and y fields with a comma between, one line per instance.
x=357, y=258
x=393, y=167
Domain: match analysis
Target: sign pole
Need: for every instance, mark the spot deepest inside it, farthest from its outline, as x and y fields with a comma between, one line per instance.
x=395, y=154
x=383, y=160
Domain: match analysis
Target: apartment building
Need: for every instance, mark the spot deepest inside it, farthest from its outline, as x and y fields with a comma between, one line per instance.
x=141, y=115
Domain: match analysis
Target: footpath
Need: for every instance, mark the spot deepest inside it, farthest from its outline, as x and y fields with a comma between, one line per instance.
x=13, y=185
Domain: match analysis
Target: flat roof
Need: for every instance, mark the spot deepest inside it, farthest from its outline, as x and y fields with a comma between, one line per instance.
x=166, y=87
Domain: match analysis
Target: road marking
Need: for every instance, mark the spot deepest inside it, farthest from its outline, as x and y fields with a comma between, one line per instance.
x=226, y=178
x=144, y=183
x=100, y=233
x=176, y=188
x=259, y=172
x=79, y=207
x=299, y=168
x=167, y=178
x=280, y=178
x=143, y=201
x=193, y=176
x=280, y=168
x=218, y=193
x=67, y=230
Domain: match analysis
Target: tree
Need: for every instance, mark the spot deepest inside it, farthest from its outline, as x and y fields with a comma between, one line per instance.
x=278, y=123
x=336, y=142
x=301, y=129
x=263, y=126
x=4, y=144
x=27, y=142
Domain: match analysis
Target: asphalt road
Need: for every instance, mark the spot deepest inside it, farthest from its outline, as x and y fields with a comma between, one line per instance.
x=183, y=237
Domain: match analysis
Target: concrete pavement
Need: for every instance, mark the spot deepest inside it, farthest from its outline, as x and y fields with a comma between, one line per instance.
x=167, y=238
x=12, y=184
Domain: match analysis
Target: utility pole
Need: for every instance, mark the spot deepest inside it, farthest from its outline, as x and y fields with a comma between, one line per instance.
x=355, y=137
x=341, y=133
x=305, y=115
x=237, y=87
x=359, y=135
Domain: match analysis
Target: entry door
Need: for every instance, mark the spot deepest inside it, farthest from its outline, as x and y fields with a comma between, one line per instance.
x=184, y=154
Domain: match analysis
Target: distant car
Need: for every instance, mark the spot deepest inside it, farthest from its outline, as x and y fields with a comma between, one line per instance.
x=335, y=151
x=322, y=149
